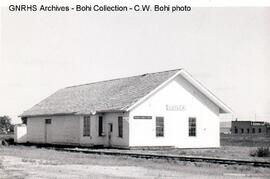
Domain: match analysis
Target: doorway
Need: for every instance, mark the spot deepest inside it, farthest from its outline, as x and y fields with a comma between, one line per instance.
x=48, y=127
x=110, y=131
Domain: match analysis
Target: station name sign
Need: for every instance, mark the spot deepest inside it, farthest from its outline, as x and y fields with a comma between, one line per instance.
x=170, y=107
x=142, y=117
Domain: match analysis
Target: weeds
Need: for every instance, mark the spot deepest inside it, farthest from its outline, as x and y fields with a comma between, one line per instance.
x=183, y=153
x=28, y=160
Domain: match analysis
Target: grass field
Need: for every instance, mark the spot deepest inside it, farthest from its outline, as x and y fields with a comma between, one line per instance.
x=245, y=140
x=32, y=162
x=229, y=152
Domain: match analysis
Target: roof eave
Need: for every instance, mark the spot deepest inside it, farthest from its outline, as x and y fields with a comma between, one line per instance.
x=223, y=108
x=74, y=113
x=44, y=115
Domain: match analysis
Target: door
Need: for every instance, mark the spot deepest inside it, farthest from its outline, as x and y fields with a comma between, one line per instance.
x=110, y=131
x=48, y=129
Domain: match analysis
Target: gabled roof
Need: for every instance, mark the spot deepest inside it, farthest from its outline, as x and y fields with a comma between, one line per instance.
x=121, y=94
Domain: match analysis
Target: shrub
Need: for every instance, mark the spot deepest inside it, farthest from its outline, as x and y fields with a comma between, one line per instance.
x=260, y=152
x=5, y=125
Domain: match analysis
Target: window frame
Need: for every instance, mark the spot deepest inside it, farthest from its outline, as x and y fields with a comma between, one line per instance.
x=160, y=126
x=86, y=126
x=192, y=127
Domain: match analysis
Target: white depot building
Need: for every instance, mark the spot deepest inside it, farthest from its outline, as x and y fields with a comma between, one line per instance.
x=168, y=108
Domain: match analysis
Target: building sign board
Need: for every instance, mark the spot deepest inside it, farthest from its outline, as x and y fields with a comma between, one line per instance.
x=142, y=117
x=170, y=107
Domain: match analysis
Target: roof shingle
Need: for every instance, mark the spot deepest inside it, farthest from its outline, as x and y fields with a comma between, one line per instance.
x=111, y=95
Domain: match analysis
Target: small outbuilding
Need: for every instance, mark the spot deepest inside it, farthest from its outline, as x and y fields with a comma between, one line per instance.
x=168, y=108
x=20, y=133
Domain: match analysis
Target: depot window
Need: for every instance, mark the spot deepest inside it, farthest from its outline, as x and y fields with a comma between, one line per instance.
x=86, y=126
x=100, y=126
x=160, y=126
x=48, y=121
x=120, y=126
x=192, y=126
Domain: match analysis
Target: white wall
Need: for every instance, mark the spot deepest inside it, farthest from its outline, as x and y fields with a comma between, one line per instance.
x=63, y=129
x=69, y=130
x=20, y=133
x=94, y=139
x=177, y=92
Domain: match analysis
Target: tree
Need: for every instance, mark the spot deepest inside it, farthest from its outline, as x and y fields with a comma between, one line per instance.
x=5, y=124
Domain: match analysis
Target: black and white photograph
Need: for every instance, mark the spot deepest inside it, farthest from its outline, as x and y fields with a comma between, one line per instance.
x=108, y=90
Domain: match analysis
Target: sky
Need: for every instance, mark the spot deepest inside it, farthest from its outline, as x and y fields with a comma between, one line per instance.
x=226, y=49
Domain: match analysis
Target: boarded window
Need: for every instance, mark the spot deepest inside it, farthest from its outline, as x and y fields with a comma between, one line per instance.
x=192, y=126
x=160, y=126
x=120, y=126
x=86, y=126
x=48, y=121
x=100, y=126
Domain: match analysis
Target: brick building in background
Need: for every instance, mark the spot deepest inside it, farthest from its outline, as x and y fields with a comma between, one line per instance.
x=250, y=128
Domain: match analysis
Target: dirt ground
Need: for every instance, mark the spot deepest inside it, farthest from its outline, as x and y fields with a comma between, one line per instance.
x=31, y=162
